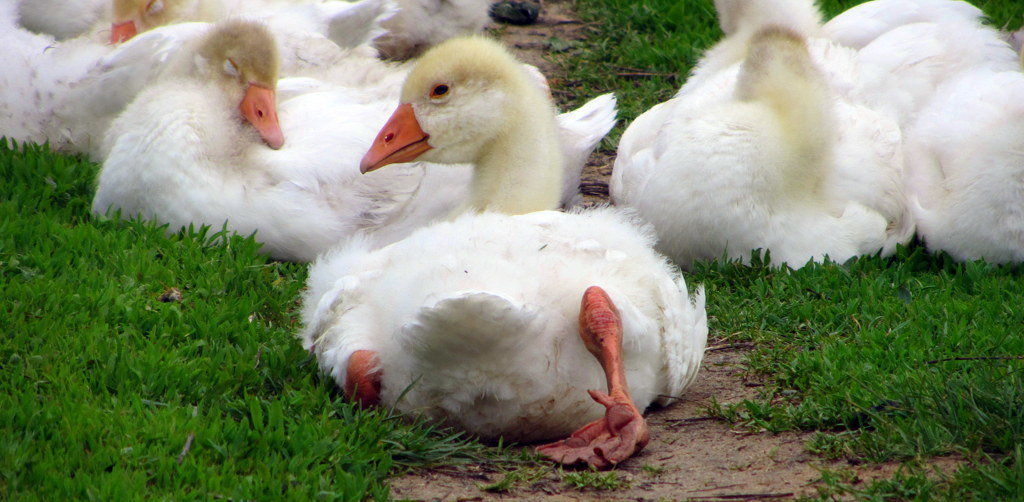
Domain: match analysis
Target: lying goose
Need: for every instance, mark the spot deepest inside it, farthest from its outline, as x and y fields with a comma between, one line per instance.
x=189, y=150
x=766, y=155
x=477, y=320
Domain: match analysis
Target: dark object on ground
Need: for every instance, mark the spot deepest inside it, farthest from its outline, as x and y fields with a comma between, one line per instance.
x=518, y=13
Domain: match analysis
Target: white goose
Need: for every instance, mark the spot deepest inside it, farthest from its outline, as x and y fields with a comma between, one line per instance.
x=766, y=155
x=965, y=159
x=181, y=154
x=477, y=321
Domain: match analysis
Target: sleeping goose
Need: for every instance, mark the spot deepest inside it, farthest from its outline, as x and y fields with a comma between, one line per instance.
x=965, y=163
x=766, y=155
x=189, y=150
x=476, y=321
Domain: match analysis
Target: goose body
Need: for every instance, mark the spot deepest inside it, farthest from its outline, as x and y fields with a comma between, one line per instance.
x=38, y=70
x=768, y=154
x=860, y=25
x=965, y=160
x=477, y=320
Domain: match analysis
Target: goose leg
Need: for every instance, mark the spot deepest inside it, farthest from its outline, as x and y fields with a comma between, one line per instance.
x=623, y=431
x=362, y=379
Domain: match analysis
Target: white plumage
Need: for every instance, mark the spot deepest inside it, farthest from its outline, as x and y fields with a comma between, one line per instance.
x=91, y=101
x=63, y=19
x=768, y=154
x=421, y=24
x=965, y=157
x=181, y=155
x=475, y=319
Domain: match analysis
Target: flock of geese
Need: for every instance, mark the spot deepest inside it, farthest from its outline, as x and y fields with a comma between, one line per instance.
x=452, y=285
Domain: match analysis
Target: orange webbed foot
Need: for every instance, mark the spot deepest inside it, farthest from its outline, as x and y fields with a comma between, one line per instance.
x=605, y=442
x=623, y=431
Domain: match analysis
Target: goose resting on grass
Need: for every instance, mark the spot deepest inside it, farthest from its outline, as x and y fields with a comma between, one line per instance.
x=766, y=155
x=476, y=321
x=194, y=150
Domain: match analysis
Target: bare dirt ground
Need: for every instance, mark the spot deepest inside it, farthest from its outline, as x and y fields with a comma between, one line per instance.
x=691, y=456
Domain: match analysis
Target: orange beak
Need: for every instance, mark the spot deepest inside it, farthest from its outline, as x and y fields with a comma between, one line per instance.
x=260, y=109
x=400, y=140
x=119, y=32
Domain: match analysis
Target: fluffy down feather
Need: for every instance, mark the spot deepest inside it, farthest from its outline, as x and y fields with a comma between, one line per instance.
x=475, y=319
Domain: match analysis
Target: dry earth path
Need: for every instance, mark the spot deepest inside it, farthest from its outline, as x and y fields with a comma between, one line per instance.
x=691, y=456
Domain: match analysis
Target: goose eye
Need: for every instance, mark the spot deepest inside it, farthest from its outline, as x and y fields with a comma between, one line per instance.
x=155, y=7
x=230, y=68
x=439, y=91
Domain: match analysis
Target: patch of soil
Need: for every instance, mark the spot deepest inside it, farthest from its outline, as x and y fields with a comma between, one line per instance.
x=691, y=455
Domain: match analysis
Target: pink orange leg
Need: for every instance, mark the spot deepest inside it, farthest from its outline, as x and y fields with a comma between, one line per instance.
x=622, y=432
x=362, y=378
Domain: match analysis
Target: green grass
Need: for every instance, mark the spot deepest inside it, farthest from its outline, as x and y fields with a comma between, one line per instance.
x=103, y=383
x=864, y=353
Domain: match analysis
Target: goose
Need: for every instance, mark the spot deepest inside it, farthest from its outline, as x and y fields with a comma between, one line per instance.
x=420, y=24
x=901, y=50
x=82, y=114
x=965, y=168
x=182, y=153
x=767, y=155
x=477, y=319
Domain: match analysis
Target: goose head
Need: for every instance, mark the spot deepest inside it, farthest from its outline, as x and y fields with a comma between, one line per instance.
x=241, y=58
x=468, y=100
x=131, y=17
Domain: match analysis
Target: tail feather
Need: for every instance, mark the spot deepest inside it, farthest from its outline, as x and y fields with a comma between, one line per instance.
x=580, y=132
